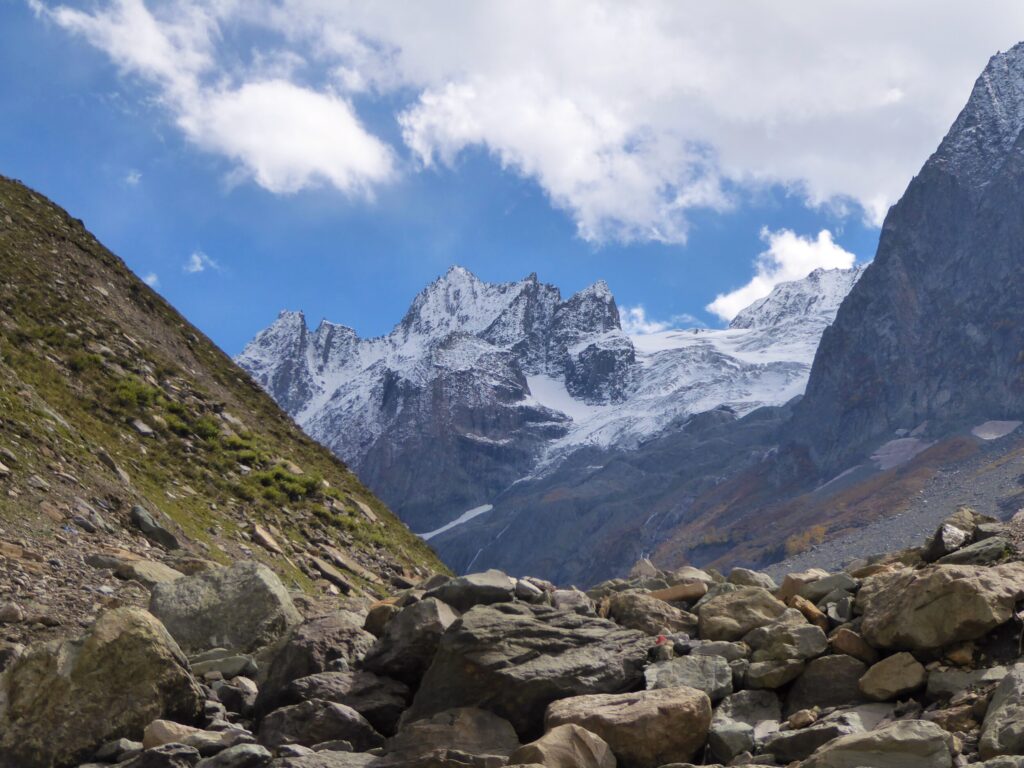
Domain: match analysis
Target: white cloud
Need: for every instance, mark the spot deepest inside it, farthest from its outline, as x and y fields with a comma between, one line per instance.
x=282, y=135
x=789, y=256
x=628, y=115
x=152, y=280
x=132, y=178
x=199, y=262
x=635, y=321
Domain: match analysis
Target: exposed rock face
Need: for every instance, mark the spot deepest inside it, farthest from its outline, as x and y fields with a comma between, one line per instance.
x=939, y=605
x=59, y=703
x=514, y=659
x=242, y=607
x=941, y=294
x=648, y=728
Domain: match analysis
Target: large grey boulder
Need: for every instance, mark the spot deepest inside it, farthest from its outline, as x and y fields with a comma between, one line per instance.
x=742, y=721
x=410, y=639
x=710, y=674
x=242, y=608
x=380, y=700
x=316, y=721
x=938, y=605
x=238, y=756
x=463, y=592
x=324, y=643
x=468, y=730
x=943, y=683
x=514, y=659
x=565, y=746
x=59, y=702
x=644, y=729
x=731, y=615
x=650, y=615
x=903, y=744
x=828, y=681
x=1002, y=732
x=985, y=552
x=778, y=642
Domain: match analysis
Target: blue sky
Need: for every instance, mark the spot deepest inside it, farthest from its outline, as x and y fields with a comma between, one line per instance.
x=105, y=132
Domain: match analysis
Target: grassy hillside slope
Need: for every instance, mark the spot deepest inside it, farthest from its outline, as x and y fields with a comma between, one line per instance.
x=109, y=398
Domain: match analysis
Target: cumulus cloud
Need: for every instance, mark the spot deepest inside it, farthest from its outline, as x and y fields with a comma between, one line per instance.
x=199, y=262
x=789, y=256
x=635, y=321
x=132, y=178
x=629, y=116
x=152, y=280
x=283, y=135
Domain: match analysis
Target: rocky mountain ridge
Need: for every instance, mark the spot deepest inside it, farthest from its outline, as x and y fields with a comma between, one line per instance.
x=482, y=385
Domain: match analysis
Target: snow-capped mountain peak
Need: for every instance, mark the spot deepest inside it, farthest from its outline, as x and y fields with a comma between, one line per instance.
x=482, y=383
x=818, y=294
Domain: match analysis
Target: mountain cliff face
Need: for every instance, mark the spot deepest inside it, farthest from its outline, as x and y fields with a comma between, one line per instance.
x=483, y=389
x=932, y=337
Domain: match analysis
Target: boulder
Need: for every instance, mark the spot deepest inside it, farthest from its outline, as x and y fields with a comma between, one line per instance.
x=514, y=659
x=938, y=605
x=153, y=530
x=572, y=600
x=773, y=674
x=985, y=552
x=956, y=531
x=797, y=744
x=485, y=588
x=644, y=729
x=238, y=756
x=792, y=583
x=164, y=756
x=466, y=729
x=893, y=677
x=845, y=640
x=380, y=700
x=903, y=744
x=1002, y=732
x=566, y=746
x=59, y=702
x=327, y=759
x=316, y=721
x=650, y=615
x=725, y=649
x=161, y=732
x=744, y=577
x=778, y=642
x=685, y=592
x=322, y=644
x=819, y=589
x=732, y=615
x=242, y=608
x=741, y=721
x=828, y=681
x=410, y=639
x=710, y=674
